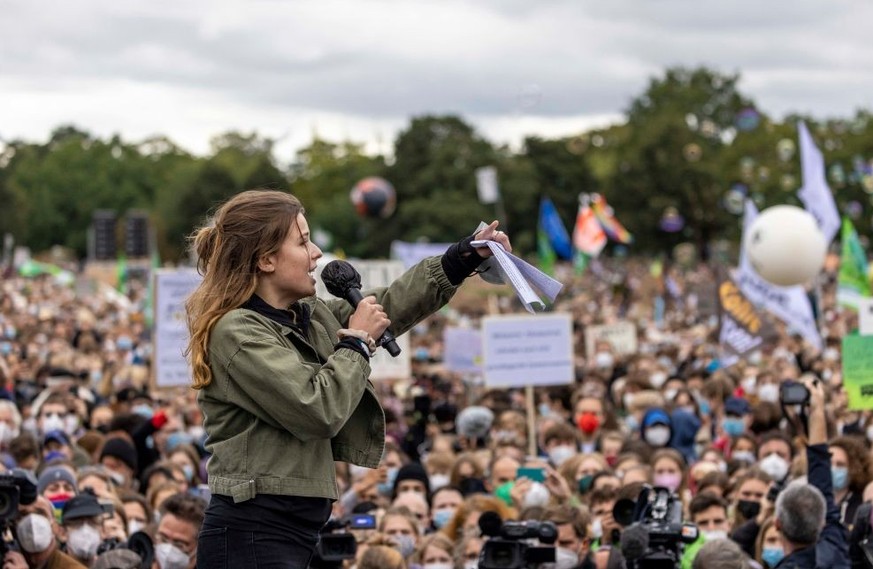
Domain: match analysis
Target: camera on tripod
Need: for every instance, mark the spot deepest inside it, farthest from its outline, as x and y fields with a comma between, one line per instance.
x=511, y=547
x=654, y=535
x=17, y=488
x=336, y=544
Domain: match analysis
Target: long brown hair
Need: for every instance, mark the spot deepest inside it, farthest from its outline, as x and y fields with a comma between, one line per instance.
x=248, y=226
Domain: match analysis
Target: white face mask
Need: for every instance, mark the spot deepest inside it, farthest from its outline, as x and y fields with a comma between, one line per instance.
x=559, y=454
x=564, y=559
x=715, y=534
x=53, y=423
x=84, y=541
x=472, y=564
x=437, y=566
x=134, y=526
x=538, y=495
x=670, y=394
x=437, y=481
x=169, y=556
x=658, y=436
x=657, y=379
x=769, y=392
x=603, y=360
x=7, y=433
x=34, y=533
x=745, y=455
x=71, y=424
x=597, y=528
x=775, y=466
x=750, y=384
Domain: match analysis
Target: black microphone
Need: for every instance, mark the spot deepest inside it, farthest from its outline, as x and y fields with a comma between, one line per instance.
x=343, y=281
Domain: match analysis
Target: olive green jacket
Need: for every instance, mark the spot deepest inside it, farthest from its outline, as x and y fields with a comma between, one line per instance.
x=282, y=407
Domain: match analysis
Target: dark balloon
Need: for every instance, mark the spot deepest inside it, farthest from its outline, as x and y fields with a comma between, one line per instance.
x=374, y=197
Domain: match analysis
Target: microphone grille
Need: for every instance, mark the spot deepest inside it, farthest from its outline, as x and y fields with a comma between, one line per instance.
x=340, y=276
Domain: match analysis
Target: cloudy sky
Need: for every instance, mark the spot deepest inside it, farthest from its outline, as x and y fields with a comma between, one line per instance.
x=360, y=69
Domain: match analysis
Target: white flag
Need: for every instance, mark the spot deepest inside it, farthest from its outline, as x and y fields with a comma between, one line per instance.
x=486, y=184
x=815, y=193
x=788, y=303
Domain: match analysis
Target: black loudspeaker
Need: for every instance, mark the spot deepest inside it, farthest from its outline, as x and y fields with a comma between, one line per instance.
x=104, y=221
x=136, y=235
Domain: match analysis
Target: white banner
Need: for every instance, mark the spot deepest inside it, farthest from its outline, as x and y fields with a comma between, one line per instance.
x=790, y=304
x=528, y=350
x=462, y=350
x=815, y=194
x=412, y=253
x=376, y=274
x=171, y=288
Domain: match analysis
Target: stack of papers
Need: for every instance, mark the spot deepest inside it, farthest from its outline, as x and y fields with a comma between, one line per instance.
x=524, y=277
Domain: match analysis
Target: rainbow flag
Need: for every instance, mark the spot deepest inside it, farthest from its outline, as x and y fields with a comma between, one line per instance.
x=606, y=217
x=588, y=237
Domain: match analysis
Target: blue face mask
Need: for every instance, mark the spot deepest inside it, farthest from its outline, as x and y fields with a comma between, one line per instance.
x=632, y=423
x=5, y=348
x=545, y=410
x=840, y=477
x=772, y=556
x=124, y=343
x=144, y=410
x=704, y=407
x=442, y=517
x=385, y=488
x=733, y=427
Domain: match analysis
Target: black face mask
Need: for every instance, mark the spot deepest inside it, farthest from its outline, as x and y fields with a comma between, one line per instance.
x=749, y=509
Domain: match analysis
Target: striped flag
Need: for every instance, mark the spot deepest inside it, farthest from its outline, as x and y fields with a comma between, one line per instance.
x=606, y=217
x=588, y=237
x=545, y=250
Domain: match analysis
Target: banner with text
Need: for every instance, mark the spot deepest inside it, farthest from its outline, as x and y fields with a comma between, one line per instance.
x=857, y=358
x=172, y=287
x=528, y=350
x=622, y=336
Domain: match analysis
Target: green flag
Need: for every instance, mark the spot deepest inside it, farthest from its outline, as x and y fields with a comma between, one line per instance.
x=852, y=281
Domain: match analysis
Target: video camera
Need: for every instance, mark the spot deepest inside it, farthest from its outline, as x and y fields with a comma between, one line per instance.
x=508, y=547
x=17, y=488
x=336, y=544
x=654, y=535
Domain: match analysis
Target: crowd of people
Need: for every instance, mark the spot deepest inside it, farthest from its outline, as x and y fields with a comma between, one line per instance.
x=112, y=457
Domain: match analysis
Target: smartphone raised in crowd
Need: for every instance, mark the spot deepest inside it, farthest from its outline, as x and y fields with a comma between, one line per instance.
x=534, y=474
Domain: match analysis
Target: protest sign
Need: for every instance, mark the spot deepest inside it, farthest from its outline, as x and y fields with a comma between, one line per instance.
x=462, y=350
x=622, y=336
x=172, y=287
x=521, y=351
x=858, y=371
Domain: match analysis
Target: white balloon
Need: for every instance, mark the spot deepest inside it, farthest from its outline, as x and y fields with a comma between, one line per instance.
x=785, y=245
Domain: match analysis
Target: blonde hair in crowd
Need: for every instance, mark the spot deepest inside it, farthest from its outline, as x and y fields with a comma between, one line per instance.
x=248, y=226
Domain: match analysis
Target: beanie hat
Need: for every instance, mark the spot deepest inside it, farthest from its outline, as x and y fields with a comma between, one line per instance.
x=54, y=474
x=413, y=471
x=120, y=449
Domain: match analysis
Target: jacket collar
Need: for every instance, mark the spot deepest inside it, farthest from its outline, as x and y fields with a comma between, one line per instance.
x=296, y=317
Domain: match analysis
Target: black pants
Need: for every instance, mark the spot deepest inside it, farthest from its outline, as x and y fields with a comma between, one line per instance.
x=274, y=532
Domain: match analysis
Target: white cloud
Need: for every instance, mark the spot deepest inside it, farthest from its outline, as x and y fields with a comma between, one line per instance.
x=360, y=69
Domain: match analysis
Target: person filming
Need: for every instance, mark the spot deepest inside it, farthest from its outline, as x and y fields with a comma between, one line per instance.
x=806, y=515
x=283, y=376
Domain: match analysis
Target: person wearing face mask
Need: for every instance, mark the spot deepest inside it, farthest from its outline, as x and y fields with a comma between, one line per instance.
x=10, y=427
x=572, y=547
x=434, y=552
x=403, y=528
x=806, y=515
x=444, y=504
x=412, y=477
x=176, y=534
x=656, y=428
x=560, y=444
x=119, y=458
x=850, y=465
x=35, y=531
x=81, y=526
x=775, y=453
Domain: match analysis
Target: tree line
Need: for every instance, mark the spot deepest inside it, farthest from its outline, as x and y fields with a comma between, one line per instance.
x=691, y=147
